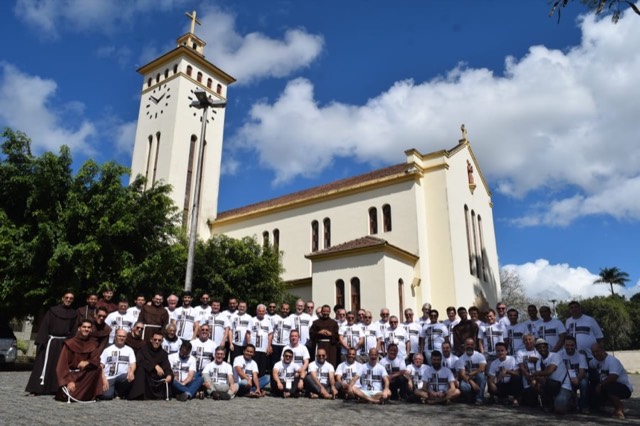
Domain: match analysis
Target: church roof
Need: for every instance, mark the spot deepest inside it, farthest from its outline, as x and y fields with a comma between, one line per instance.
x=359, y=245
x=317, y=191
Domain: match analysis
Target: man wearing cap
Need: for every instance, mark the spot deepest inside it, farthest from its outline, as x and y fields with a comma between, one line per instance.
x=553, y=379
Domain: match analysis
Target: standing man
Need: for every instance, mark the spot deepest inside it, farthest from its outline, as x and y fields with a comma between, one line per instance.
x=120, y=319
x=433, y=335
x=202, y=348
x=185, y=318
x=502, y=317
x=302, y=321
x=383, y=324
x=424, y=319
x=139, y=302
x=584, y=329
x=89, y=310
x=172, y=305
x=219, y=324
x=203, y=310
x=260, y=335
x=100, y=331
x=281, y=324
x=351, y=336
x=372, y=337
x=533, y=323
x=78, y=370
x=58, y=324
x=118, y=363
x=134, y=337
x=515, y=333
x=413, y=330
x=155, y=317
x=552, y=330
x=239, y=326
x=324, y=333
x=451, y=321
x=107, y=300
x=465, y=329
x=492, y=333
x=309, y=309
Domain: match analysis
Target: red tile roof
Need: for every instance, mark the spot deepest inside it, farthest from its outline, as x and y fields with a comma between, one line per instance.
x=315, y=191
x=358, y=243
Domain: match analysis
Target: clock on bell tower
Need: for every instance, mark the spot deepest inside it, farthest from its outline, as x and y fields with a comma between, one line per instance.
x=168, y=129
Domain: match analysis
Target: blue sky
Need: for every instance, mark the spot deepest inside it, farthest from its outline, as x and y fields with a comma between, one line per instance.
x=336, y=88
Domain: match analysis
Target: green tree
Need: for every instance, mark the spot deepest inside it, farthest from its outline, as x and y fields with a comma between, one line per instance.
x=245, y=269
x=62, y=232
x=615, y=7
x=612, y=276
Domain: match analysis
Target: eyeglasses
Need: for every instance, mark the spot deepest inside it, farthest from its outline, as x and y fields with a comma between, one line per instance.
x=351, y=317
x=287, y=356
x=393, y=322
x=272, y=307
x=156, y=340
x=501, y=309
x=368, y=316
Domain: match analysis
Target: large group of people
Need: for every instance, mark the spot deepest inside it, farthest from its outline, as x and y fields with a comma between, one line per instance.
x=107, y=350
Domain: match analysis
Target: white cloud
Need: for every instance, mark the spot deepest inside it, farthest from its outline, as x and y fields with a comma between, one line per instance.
x=549, y=121
x=51, y=17
x=254, y=56
x=542, y=280
x=125, y=135
x=26, y=105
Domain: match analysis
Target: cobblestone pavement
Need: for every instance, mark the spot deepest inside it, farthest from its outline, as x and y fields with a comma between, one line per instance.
x=18, y=409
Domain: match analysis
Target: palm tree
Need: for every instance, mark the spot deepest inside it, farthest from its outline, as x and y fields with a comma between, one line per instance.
x=612, y=276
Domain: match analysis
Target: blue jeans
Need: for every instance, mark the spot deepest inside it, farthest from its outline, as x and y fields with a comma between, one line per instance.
x=191, y=388
x=119, y=385
x=481, y=381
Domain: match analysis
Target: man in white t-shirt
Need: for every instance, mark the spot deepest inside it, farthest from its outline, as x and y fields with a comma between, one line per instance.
x=245, y=373
x=203, y=310
x=433, y=335
x=281, y=324
x=584, y=328
x=471, y=369
x=515, y=332
x=347, y=374
x=504, y=377
x=501, y=309
x=218, y=377
x=203, y=348
x=451, y=321
x=416, y=374
x=614, y=385
x=373, y=383
x=321, y=381
x=396, y=335
x=239, y=324
x=412, y=330
x=172, y=305
x=396, y=369
x=139, y=302
x=578, y=369
x=284, y=378
x=185, y=318
x=424, y=319
x=534, y=321
x=120, y=319
x=118, y=367
x=171, y=342
x=528, y=359
x=449, y=359
x=372, y=337
x=219, y=324
x=440, y=382
x=186, y=383
x=552, y=330
x=260, y=335
x=351, y=335
x=300, y=356
x=553, y=379
x=491, y=333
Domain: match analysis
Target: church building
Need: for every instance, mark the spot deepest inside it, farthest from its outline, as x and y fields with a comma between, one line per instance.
x=397, y=237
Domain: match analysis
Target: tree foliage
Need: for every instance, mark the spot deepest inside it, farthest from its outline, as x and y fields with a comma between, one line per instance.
x=615, y=7
x=82, y=232
x=612, y=276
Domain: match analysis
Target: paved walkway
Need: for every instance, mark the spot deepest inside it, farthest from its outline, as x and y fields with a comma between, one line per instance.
x=18, y=409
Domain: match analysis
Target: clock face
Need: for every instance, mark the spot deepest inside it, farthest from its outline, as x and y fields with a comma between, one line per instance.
x=158, y=100
x=197, y=112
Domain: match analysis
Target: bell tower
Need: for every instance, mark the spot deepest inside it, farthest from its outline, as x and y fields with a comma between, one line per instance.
x=168, y=131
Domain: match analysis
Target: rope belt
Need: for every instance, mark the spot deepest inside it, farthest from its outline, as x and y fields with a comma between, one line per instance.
x=46, y=356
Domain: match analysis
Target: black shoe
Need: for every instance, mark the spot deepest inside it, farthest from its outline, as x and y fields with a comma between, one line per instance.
x=215, y=395
x=224, y=396
x=182, y=397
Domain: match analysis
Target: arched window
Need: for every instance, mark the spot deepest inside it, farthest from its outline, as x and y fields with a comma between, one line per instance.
x=149, y=82
x=340, y=292
x=149, y=156
x=472, y=270
x=276, y=238
x=219, y=89
x=314, y=236
x=401, y=295
x=265, y=238
x=386, y=218
x=355, y=294
x=327, y=232
x=187, y=190
x=483, y=260
x=475, y=243
x=189, y=70
x=194, y=46
x=158, y=78
x=175, y=69
x=199, y=78
x=373, y=221
x=155, y=162
x=166, y=73
x=209, y=83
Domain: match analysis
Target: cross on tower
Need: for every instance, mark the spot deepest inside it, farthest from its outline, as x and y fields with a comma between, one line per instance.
x=194, y=21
